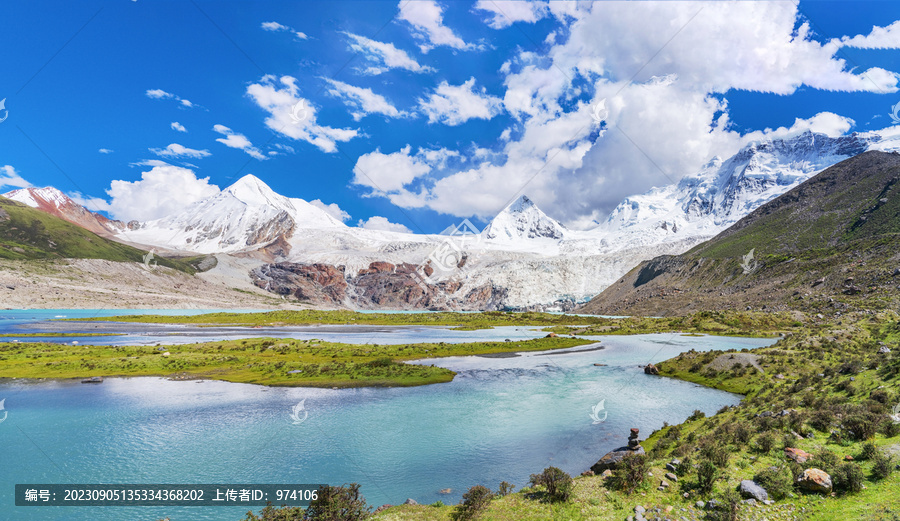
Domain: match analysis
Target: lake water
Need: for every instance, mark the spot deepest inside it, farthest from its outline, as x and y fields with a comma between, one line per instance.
x=500, y=419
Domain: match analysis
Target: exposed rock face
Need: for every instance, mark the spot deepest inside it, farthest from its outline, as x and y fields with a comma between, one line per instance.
x=815, y=480
x=380, y=286
x=798, y=455
x=751, y=489
x=651, y=369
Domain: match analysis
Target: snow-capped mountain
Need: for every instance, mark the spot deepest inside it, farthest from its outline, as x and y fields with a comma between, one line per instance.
x=247, y=215
x=54, y=202
x=725, y=190
x=522, y=219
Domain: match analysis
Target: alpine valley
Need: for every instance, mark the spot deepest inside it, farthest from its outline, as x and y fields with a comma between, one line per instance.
x=287, y=251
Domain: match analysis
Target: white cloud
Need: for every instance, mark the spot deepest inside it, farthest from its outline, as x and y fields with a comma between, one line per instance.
x=178, y=126
x=377, y=222
x=175, y=150
x=149, y=162
x=662, y=68
x=277, y=27
x=105, y=151
x=9, y=178
x=879, y=38
x=386, y=173
x=427, y=20
x=364, y=101
x=162, y=191
x=161, y=94
x=279, y=102
x=94, y=204
x=234, y=140
x=331, y=209
x=385, y=56
x=507, y=12
x=455, y=105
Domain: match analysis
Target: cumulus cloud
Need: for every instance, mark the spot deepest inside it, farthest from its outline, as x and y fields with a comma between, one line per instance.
x=426, y=20
x=377, y=222
x=174, y=150
x=280, y=98
x=384, y=56
x=506, y=13
x=277, y=27
x=161, y=94
x=363, y=101
x=387, y=173
x=9, y=178
x=233, y=139
x=663, y=69
x=162, y=191
x=178, y=126
x=105, y=151
x=454, y=105
x=879, y=38
x=331, y=209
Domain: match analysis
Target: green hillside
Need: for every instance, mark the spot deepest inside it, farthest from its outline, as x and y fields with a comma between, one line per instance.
x=27, y=233
x=830, y=244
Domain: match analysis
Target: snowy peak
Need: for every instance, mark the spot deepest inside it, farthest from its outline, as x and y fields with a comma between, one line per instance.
x=253, y=191
x=522, y=219
x=38, y=197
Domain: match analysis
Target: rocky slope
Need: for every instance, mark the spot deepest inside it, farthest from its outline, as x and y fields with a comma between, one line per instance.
x=830, y=244
x=52, y=201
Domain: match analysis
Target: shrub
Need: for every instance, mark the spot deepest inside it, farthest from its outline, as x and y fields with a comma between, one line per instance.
x=706, y=476
x=696, y=415
x=338, y=504
x=825, y=460
x=271, y=513
x=765, y=442
x=557, y=483
x=890, y=428
x=630, y=473
x=728, y=507
x=505, y=489
x=868, y=451
x=473, y=503
x=778, y=481
x=821, y=420
x=862, y=426
x=848, y=477
x=882, y=465
x=716, y=453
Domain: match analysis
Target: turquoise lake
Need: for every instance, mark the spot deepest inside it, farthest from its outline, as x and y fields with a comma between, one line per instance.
x=501, y=419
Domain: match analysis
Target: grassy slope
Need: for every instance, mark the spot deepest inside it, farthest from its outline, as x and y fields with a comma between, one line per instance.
x=27, y=233
x=838, y=351
x=264, y=361
x=844, y=222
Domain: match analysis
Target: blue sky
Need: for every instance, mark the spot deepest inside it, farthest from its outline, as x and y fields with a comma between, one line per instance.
x=422, y=113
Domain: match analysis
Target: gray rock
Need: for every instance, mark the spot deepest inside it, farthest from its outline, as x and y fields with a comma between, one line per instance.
x=671, y=477
x=752, y=489
x=884, y=350
x=700, y=504
x=612, y=459
x=410, y=501
x=639, y=509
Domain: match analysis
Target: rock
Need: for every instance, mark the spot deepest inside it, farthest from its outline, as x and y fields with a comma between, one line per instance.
x=700, y=504
x=671, y=468
x=587, y=473
x=606, y=474
x=798, y=455
x=884, y=350
x=750, y=502
x=381, y=509
x=612, y=459
x=779, y=376
x=663, y=484
x=651, y=369
x=752, y=489
x=848, y=458
x=410, y=501
x=639, y=509
x=815, y=480
x=552, y=335
x=446, y=491
x=671, y=477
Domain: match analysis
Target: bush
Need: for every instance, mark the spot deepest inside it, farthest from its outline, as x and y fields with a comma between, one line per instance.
x=271, y=513
x=778, y=481
x=696, y=415
x=868, y=451
x=630, y=473
x=848, y=477
x=765, y=442
x=338, y=504
x=882, y=465
x=706, y=476
x=890, y=428
x=557, y=483
x=505, y=489
x=473, y=503
x=825, y=460
x=741, y=433
x=716, y=453
x=862, y=426
x=728, y=507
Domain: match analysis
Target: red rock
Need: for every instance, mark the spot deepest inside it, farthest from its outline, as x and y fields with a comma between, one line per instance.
x=798, y=455
x=815, y=480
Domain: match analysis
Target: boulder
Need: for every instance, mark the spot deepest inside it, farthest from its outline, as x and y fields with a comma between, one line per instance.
x=815, y=480
x=798, y=455
x=410, y=501
x=612, y=459
x=651, y=369
x=752, y=489
x=884, y=350
x=671, y=477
